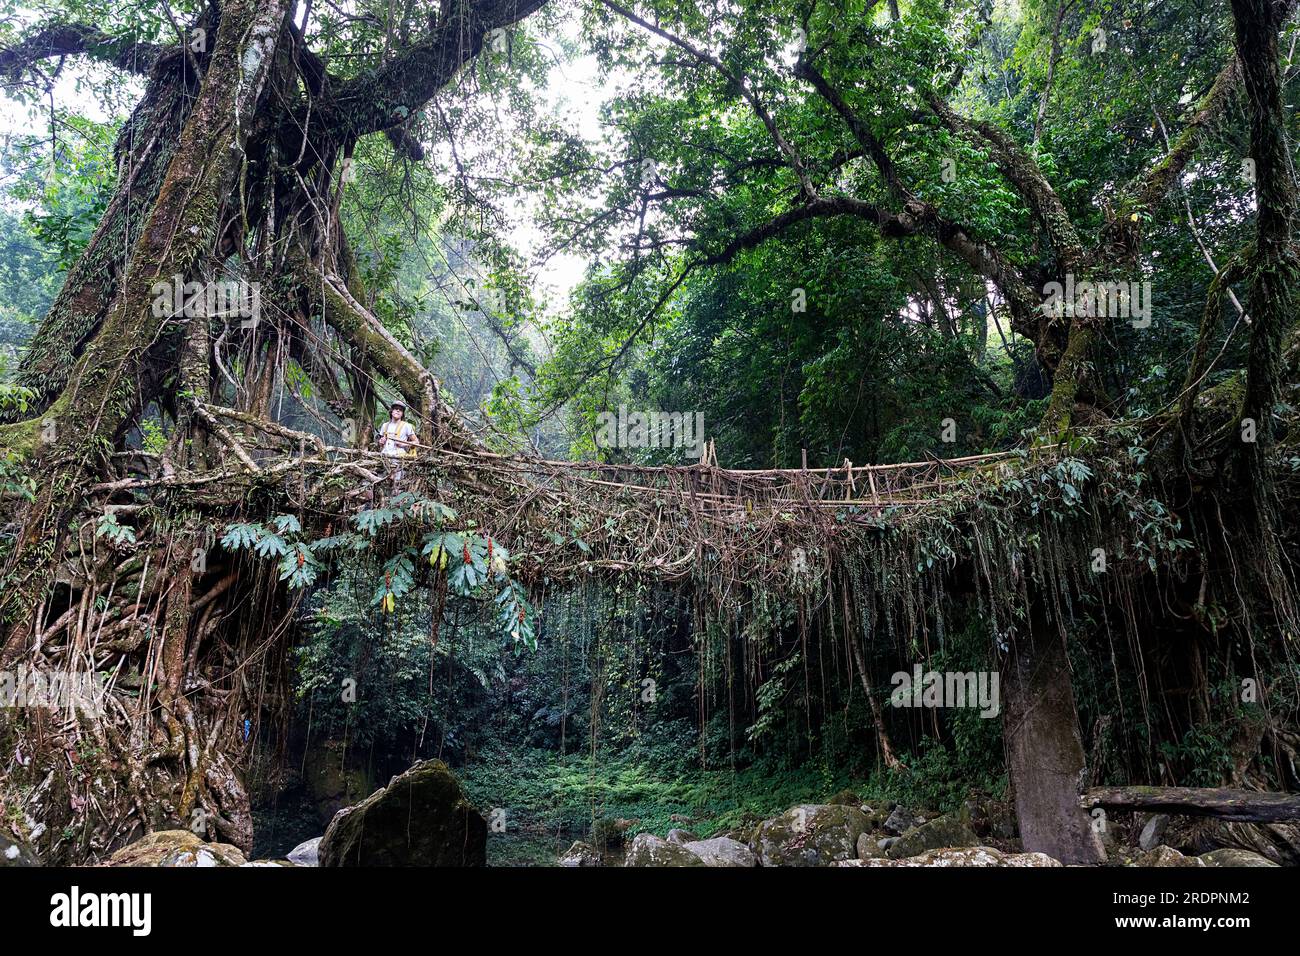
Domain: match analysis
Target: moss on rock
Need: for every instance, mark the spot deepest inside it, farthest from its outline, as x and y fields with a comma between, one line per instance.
x=420, y=819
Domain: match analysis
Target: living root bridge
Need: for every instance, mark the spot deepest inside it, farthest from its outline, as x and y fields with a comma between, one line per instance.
x=99, y=572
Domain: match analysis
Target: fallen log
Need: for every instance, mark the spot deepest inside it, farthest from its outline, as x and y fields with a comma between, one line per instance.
x=1242, y=806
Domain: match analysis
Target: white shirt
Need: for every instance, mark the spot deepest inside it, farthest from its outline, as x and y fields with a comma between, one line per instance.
x=401, y=431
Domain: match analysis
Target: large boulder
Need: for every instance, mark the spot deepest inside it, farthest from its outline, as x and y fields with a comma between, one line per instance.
x=809, y=835
x=722, y=851
x=1231, y=856
x=13, y=853
x=306, y=854
x=176, y=848
x=951, y=830
x=420, y=819
x=677, y=835
x=964, y=856
x=649, y=850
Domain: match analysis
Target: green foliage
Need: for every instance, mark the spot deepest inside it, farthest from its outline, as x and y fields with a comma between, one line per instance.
x=374, y=686
x=116, y=533
x=67, y=187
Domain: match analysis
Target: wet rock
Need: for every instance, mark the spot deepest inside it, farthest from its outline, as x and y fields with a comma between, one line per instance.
x=649, y=850
x=420, y=819
x=1231, y=856
x=723, y=851
x=306, y=854
x=810, y=835
x=581, y=854
x=177, y=848
x=947, y=831
x=963, y=856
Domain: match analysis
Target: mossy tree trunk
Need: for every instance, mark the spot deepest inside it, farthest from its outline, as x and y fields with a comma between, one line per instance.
x=1045, y=757
x=228, y=160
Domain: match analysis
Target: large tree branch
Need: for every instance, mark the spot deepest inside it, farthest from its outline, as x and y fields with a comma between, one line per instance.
x=804, y=69
x=1144, y=193
x=388, y=96
x=920, y=217
x=917, y=219
x=78, y=39
x=1022, y=172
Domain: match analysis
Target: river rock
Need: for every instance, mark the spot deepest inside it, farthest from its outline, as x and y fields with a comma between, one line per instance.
x=722, y=851
x=649, y=850
x=176, y=848
x=581, y=854
x=306, y=854
x=900, y=820
x=845, y=798
x=868, y=848
x=13, y=853
x=1166, y=856
x=420, y=819
x=1153, y=832
x=810, y=835
x=961, y=856
x=681, y=836
x=876, y=817
x=951, y=830
x=1231, y=856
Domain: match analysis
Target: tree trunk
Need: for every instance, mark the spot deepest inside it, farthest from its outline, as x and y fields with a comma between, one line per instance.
x=1045, y=757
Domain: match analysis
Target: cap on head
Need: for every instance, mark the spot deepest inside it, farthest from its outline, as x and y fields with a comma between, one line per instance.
x=395, y=406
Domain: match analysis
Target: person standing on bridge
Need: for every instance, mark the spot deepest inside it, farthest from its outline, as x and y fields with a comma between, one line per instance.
x=397, y=439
